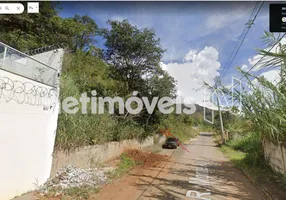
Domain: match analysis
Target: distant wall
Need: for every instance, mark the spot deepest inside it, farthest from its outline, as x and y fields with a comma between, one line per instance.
x=87, y=157
x=276, y=154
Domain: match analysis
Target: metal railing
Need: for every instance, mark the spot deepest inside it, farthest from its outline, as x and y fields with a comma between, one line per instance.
x=21, y=64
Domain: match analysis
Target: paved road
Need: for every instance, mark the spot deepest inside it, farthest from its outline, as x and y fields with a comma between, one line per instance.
x=204, y=173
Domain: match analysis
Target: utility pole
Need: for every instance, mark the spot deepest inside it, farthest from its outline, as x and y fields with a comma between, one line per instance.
x=214, y=89
x=220, y=118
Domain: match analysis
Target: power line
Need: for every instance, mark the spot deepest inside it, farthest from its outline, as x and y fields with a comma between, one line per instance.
x=249, y=25
x=243, y=31
x=242, y=36
x=239, y=39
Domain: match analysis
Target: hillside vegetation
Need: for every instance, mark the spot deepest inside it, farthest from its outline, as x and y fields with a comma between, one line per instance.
x=129, y=61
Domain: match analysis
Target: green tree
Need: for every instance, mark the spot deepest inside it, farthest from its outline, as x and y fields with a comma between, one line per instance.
x=162, y=84
x=26, y=31
x=159, y=85
x=134, y=56
x=30, y=31
x=133, y=53
x=84, y=39
x=89, y=73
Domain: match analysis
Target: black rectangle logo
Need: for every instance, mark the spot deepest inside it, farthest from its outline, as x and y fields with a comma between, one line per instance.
x=277, y=17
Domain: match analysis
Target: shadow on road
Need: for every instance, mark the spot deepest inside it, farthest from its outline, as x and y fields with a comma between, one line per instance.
x=174, y=184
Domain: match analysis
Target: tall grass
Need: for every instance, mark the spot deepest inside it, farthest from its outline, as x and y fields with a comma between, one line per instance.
x=75, y=130
x=180, y=126
x=83, y=73
x=249, y=143
x=264, y=101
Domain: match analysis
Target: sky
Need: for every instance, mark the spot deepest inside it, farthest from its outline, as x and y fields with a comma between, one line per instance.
x=198, y=36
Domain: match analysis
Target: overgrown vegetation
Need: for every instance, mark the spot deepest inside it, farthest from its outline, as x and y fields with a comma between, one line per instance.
x=74, y=193
x=129, y=61
x=263, y=116
x=249, y=144
x=125, y=165
x=263, y=101
x=244, y=149
x=246, y=154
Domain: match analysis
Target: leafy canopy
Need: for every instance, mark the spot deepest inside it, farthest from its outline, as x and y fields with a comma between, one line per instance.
x=25, y=31
x=133, y=53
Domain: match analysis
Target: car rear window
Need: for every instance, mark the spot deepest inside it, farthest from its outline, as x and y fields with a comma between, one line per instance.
x=171, y=140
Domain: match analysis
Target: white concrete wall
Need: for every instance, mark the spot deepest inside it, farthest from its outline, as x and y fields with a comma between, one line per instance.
x=276, y=154
x=87, y=157
x=27, y=133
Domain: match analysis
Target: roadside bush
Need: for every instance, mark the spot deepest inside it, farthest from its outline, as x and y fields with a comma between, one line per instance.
x=76, y=130
x=264, y=101
x=178, y=127
x=125, y=165
x=250, y=144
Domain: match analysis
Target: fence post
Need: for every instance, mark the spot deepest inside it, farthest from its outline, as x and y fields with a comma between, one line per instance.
x=4, y=56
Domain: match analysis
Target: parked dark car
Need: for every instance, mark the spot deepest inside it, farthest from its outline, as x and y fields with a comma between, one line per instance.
x=171, y=143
